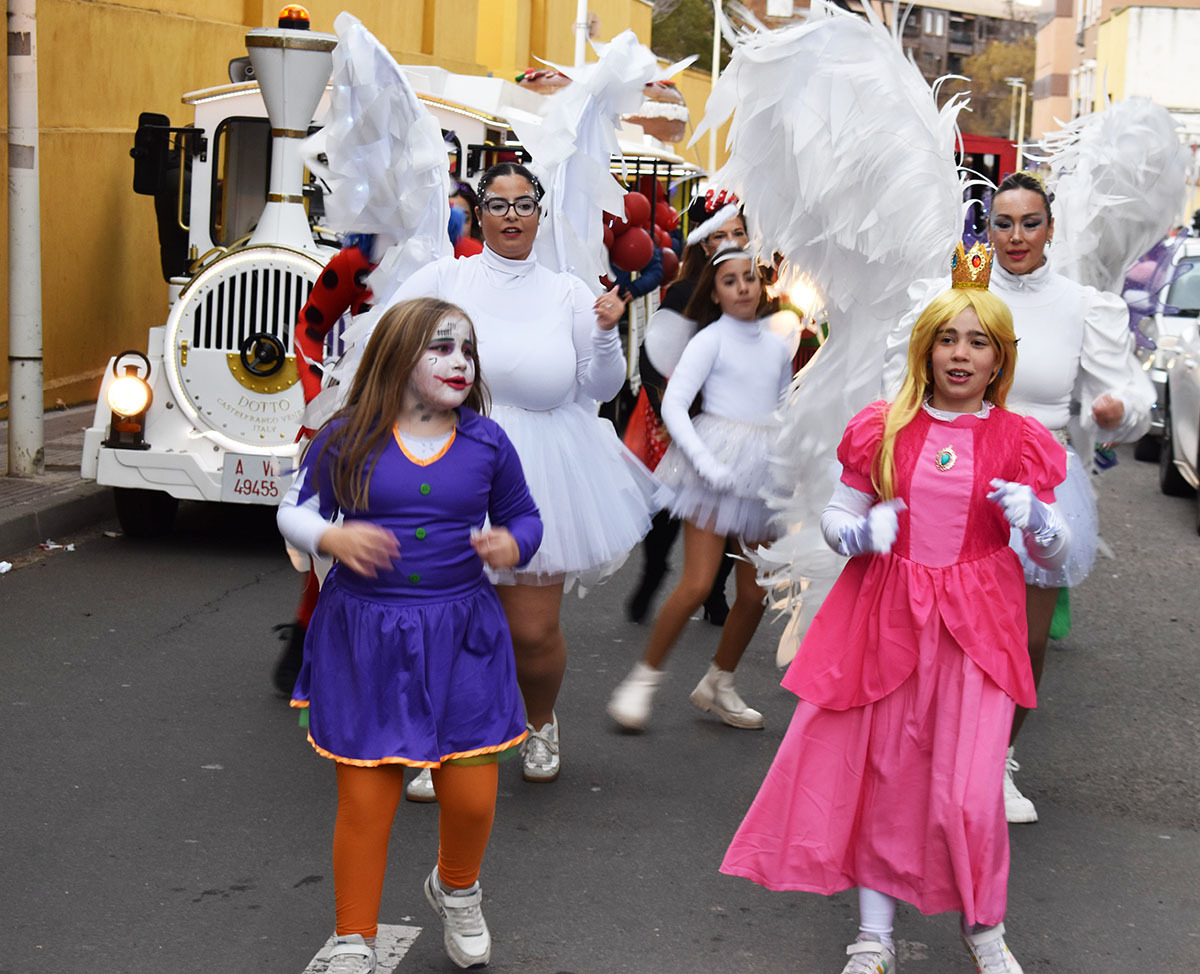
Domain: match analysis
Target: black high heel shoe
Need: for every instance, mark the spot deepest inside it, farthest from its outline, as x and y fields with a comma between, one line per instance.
x=716, y=609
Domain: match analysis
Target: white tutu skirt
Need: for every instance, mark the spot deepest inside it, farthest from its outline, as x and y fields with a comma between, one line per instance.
x=1076, y=502
x=595, y=497
x=744, y=447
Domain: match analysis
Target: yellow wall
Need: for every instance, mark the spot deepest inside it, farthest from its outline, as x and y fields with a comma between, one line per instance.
x=99, y=65
x=102, y=63
x=1112, y=43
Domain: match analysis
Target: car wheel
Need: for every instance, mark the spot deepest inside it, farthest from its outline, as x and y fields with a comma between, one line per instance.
x=1170, y=480
x=144, y=513
x=1147, y=449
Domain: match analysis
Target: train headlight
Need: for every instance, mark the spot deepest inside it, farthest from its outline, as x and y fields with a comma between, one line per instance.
x=129, y=394
x=129, y=398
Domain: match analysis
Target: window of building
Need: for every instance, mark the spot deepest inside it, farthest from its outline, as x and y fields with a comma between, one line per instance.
x=935, y=23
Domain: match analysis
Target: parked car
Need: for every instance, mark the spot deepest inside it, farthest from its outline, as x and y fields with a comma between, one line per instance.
x=1179, y=307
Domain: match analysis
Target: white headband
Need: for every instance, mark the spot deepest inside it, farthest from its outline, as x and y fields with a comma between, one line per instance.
x=713, y=224
x=731, y=252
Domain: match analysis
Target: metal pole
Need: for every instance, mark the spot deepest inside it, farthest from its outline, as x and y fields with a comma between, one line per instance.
x=1012, y=113
x=716, y=70
x=26, y=436
x=1021, y=130
x=581, y=31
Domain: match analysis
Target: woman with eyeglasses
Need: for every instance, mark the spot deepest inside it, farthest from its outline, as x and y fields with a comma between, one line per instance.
x=1075, y=347
x=549, y=351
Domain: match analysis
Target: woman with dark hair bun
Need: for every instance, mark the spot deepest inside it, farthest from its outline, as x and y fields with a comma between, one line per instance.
x=549, y=351
x=1076, y=347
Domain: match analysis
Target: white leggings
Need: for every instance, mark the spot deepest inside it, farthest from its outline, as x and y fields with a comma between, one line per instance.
x=877, y=912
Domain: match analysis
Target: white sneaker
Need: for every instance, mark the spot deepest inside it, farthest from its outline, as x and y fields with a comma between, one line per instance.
x=420, y=789
x=464, y=931
x=716, y=693
x=351, y=955
x=990, y=952
x=870, y=957
x=1017, y=808
x=630, y=702
x=539, y=753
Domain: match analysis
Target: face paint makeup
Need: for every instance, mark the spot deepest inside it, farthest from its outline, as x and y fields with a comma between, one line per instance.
x=445, y=372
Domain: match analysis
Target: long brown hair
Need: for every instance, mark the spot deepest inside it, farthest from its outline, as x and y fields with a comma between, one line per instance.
x=364, y=424
x=996, y=321
x=701, y=308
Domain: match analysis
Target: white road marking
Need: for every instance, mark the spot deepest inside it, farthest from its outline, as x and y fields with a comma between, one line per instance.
x=391, y=944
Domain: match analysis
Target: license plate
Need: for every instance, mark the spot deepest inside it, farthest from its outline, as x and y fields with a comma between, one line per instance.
x=249, y=478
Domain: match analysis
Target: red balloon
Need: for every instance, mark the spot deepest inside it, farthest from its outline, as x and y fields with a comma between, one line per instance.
x=670, y=265
x=633, y=250
x=616, y=224
x=637, y=209
x=609, y=237
x=665, y=215
x=662, y=238
x=650, y=188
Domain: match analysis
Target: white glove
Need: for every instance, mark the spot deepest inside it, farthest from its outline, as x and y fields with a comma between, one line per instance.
x=873, y=534
x=1025, y=512
x=718, y=476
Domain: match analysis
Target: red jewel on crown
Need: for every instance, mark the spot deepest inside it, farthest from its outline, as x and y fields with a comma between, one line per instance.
x=972, y=268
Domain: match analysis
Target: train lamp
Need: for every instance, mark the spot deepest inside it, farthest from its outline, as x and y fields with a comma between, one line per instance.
x=129, y=398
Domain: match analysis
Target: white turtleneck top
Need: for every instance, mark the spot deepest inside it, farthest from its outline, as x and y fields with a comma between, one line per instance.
x=1074, y=342
x=539, y=344
x=743, y=367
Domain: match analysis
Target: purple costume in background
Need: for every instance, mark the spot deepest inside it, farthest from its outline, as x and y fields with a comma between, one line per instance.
x=416, y=665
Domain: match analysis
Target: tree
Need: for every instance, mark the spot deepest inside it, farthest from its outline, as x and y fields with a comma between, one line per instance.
x=681, y=28
x=991, y=96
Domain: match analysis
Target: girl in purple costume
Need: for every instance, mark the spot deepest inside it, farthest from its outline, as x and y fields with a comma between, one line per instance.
x=890, y=775
x=408, y=659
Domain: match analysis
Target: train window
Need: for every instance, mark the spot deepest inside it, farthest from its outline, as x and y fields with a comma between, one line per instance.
x=241, y=172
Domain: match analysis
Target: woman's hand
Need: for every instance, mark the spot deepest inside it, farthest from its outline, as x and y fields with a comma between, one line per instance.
x=609, y=307
x=1025, y=512
x=1108, y=411
x=361, y=546
x=497, y=547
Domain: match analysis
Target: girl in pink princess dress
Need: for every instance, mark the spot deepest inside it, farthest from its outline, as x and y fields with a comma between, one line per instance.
x=889, y=778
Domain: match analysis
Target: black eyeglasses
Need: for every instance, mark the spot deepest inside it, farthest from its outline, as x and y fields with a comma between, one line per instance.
x=499, y=206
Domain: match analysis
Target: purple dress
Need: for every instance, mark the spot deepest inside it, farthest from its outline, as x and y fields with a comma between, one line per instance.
x=416, y=666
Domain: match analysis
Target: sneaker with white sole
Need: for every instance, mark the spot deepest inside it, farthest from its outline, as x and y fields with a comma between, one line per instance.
x=539, y=753
x=464, y=931
x=630, y=702
x=420, y=789
x=990, y=952
x=716, y=693
x=351, y=955
x=1017, y=808
x=870, y=957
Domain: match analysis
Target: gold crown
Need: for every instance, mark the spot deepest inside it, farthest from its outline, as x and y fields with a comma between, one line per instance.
x=971, y=268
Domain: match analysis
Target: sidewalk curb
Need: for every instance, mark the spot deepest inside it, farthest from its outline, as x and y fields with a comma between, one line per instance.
x=78, y=509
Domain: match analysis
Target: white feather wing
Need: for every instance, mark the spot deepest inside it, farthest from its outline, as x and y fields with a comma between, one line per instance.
x=1118, y=178
x=846, y=167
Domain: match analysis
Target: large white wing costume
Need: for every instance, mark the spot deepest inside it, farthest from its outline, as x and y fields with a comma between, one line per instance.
x=1118, y=178
x=573, y=147
x=846, y=167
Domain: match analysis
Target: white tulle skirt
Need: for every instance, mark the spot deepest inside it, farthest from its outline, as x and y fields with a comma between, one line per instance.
x=595, y=497
x=744, y=447
x=1076, y=502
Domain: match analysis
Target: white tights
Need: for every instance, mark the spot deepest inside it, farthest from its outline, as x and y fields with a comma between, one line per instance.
x=877, y=912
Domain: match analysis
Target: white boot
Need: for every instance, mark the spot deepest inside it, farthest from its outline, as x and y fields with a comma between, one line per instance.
x=1017, y=808
x=716, y=693
x=630, y=702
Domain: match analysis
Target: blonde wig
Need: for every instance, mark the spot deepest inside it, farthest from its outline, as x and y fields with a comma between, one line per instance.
x=996, y=321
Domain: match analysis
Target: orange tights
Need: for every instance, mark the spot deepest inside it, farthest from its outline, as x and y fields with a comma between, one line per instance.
x=367, y=803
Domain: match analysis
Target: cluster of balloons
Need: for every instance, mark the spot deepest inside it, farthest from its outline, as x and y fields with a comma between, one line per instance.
x=631, y=237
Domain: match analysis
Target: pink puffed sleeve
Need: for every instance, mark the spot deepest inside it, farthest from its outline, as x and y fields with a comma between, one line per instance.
x=860, y=443
x=1043, y=460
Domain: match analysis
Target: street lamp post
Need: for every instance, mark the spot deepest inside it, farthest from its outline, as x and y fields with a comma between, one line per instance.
x=716, y=70
x=1016, y=83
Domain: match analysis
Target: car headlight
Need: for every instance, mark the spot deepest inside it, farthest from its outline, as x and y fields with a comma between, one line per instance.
x=129, y=394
